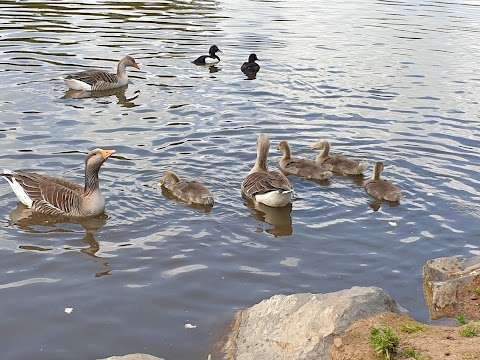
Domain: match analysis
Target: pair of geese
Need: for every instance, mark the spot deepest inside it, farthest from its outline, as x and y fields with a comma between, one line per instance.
x=59, y=197
x=99, y=80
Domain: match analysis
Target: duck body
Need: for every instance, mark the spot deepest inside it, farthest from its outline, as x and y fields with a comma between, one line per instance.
x=211, y=58
x=190, y=192
x=301, y=167
x=250, y=67
x=59, y=197
x=270, y=188
x=97, y=80
x=382, y=189
x=340, y=164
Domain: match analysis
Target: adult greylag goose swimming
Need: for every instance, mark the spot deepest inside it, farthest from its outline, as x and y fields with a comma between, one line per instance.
x=381, y=189
x=93, y=80
x=270, y=188
x=250, y=67
x=191, y=192
x=59, y=197
x=211, y=58
x=301, y=167
x=340, y=164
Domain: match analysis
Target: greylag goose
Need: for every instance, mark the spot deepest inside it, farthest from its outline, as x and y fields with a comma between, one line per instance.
x=301, y=167
x=250, y=67
x=191, y=192
x=59, y=197
x=211, y=58
x=340, y=164
x=93, y=80
x=270, y=188
x=381, y=189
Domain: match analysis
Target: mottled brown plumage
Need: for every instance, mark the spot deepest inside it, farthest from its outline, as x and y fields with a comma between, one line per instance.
x=191, y=192
x=271, y=188
x=340, y=164
x=381, y=189
x=59, y=197
x=301, y=167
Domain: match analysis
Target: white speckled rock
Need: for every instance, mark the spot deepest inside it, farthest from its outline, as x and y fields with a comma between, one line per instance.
x=302, y=326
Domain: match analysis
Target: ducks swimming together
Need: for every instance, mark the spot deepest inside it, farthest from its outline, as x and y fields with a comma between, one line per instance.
x=264, y=186
x=94, y=80
x=190, y=192
x=340, y=164
x=59, y=197
x=301, y=167
x=211, y=58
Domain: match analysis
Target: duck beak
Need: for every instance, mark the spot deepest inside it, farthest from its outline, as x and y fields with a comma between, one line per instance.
x=136, y=66
x=107, y=153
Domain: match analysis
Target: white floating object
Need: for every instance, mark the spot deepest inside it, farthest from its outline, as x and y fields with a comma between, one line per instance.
x=392, y=223
x=68, y=310
x=190, y=326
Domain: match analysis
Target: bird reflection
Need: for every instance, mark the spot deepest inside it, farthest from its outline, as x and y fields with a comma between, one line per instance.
x=279, y=217
x=118, y=92
x=213, y=69
x=168, y=195
x=251, y=75
x=375, y=205
x=23, y=218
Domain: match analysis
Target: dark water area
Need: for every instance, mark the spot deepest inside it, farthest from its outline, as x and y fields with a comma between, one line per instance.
x=395, y=81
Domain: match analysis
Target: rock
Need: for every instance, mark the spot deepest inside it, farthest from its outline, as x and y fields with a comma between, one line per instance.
x=302, y=326
x=444, y=281
x=337, y=342
x=137, y=356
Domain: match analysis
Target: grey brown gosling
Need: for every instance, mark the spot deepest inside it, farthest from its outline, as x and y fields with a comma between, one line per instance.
x=59, y=197
x=97, y=80
x=190, y=192
x=340, y=164
x=381, y=189
x=301, y=167
x=270, y=188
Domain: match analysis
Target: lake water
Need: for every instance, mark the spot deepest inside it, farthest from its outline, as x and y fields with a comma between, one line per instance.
x=396, y=81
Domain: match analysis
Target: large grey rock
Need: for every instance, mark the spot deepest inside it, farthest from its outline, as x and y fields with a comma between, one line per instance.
x=302, y=326
x=137, y=356
x=442, y=280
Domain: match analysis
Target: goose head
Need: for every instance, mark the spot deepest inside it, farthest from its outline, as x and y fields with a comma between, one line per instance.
x=320, y=144
x=128, y=61
x=169, y=178
x=97, y=157
x=377, y=170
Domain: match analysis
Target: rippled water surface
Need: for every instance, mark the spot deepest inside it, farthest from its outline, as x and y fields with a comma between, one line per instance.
x=396, y=81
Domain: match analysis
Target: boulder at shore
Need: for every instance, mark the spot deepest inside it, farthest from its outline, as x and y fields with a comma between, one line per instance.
x=302, y=326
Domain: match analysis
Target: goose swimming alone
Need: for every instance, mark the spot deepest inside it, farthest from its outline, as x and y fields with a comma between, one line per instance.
x=59, y=197
x=94, y=80
x=270, y=188
x=190, y=192
x=381, y=189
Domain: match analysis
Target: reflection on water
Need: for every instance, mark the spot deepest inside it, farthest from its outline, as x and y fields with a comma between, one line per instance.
x=380, y=79
x=118, y=92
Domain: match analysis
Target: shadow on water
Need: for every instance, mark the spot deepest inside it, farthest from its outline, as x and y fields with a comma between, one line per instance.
x=23, y=218
x=119, y=93
x=280, y=218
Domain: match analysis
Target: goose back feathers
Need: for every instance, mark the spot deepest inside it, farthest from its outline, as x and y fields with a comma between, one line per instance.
x=191, y=192
x=301, y=167
x=270, y=188
x=59, y=197
x=381, y=189
x=340, y=164
x=94, y=80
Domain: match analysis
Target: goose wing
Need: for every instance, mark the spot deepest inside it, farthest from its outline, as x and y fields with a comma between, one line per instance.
x=193, y=192
x=92, y=77
x=383, y=190
x=262, y=182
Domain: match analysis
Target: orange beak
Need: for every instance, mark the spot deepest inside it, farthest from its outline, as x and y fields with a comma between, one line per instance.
x=136, y=66
x=107, y=153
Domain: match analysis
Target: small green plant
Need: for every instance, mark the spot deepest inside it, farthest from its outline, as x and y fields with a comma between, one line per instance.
x=470, y=331
x=461, y=319
x=477, y=291
x=412, y=328
x=417, y=355
x=385, y=342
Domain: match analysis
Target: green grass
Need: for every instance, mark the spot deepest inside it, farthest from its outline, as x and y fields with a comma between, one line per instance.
x=412, y=328
x=477, y=291
x=470, y=331
x=461, y=319
x=385, y=342
x=417, y=355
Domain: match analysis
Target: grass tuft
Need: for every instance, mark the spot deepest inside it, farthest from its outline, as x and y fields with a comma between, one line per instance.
x=470, y=331
x=417, y=355
x=412, y=328
x=461, y=319
x=385, y=342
